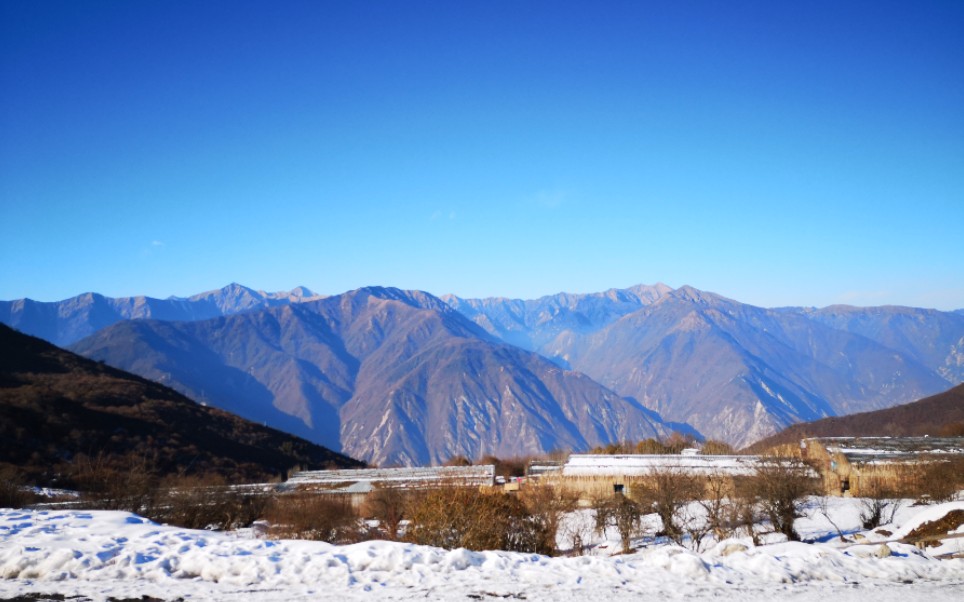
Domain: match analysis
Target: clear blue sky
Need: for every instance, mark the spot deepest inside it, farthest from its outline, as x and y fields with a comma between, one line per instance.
x=779, y=153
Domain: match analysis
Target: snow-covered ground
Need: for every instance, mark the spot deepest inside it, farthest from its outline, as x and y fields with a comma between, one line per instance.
x=115, y=554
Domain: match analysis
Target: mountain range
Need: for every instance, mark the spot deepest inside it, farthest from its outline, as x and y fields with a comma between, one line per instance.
x=403, y=377
x=66, y=322
x=388, y=376
x=734, y=371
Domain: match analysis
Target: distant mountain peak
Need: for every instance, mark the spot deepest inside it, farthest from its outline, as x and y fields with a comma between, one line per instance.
x=302, y=291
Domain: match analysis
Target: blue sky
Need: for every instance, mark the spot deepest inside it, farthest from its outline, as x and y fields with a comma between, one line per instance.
x=779, y=153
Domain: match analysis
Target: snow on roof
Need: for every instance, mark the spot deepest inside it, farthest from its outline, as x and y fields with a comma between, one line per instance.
x=595, y=465
x=872, y=449
x=351, y=481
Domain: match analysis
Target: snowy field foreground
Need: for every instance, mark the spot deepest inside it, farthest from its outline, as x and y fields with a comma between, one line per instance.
x=101, y=555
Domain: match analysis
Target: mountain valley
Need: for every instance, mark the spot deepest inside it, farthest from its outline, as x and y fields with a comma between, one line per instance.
x=403, y=377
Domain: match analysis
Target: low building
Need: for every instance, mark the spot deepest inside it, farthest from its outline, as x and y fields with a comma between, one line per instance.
x=864, y=466
x=359, y=483
x=598, y=475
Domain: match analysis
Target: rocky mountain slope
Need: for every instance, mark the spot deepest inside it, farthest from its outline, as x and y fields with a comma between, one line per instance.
x=66, y=322
x=388, y=376
x=532, y=324
x=738, y=372
x=55, y=404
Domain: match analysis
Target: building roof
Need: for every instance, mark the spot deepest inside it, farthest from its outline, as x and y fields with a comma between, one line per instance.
x=366, y=479
x=626, y=465
x=889, y=449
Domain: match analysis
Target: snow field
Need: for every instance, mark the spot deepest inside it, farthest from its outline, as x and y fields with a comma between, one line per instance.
x=100, y=554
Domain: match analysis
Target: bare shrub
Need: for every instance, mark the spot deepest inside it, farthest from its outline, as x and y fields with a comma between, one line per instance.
x=777, y=490
x=677, y=442
x=207, y=501
x=547, y=506
x=880, y=500
x=13, y=493
x=939, y=478
x=127, y=482
x=650, y=447
x=388, y=505
x=667, y=493
x=320, y=517
x=721, y=506
x=464, y=517
x=717, y=448
x=578, y=534
x=506, y=467
x=622, y=513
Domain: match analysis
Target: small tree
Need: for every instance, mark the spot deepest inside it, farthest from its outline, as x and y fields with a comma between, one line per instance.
x=721, y=507
x=677, y=442
x=778, y=488
x=547, y=506
x=650, y=447
x=388, y=505
x=622, y=513
x=669, y=492
x=879, y=502
x=717, y=448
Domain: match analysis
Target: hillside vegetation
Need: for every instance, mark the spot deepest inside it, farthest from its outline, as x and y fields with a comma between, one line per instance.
x=56, y=406
x=937, y=415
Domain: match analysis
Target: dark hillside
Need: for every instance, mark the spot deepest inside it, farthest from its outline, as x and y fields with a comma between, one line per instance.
x=941, y=414
x=55, y=404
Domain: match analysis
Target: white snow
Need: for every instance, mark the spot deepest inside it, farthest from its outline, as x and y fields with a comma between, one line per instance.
x=580, y=465
x=100, y=554
x=483, y=474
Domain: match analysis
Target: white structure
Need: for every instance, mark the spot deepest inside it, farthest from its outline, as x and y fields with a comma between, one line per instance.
x=640, y=465
x=366, y=479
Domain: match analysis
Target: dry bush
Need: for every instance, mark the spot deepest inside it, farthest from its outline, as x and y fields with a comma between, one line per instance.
x=507, y=467
x=939, y=478
x=880, y=500
x=650, y=447
x=547, y=506
x=198, y=502
x=465, y=517
x=667, y=493
x=677, y=442
x=622, y=513
x=388, y=505
x=722, y=507
x=777, y=490
x=13, y=493
x=105, y=482
x=321, y=517
x=717, y=448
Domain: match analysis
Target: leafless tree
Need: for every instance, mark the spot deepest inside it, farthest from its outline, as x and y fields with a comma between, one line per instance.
x=777, y=489
x=388, y=505
x=620, y=512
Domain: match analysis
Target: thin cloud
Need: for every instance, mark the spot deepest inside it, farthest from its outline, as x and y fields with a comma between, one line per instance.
x=551, y=199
